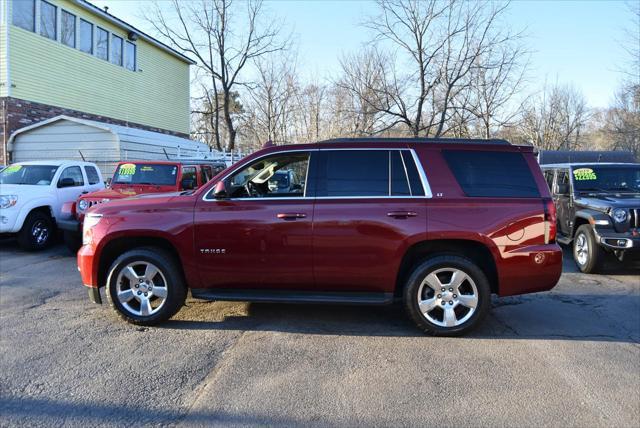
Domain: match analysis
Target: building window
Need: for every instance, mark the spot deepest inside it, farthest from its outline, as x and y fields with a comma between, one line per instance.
x=86, y=36
x=68, y=28
x=102, y=44
x=24, y=14
x=48, y=18
x=116, y=49
x=131, y=57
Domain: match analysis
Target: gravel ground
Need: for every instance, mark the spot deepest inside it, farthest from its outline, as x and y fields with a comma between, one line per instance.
x=568, y=357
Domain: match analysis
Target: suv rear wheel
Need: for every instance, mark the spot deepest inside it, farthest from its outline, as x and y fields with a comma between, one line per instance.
x=587, y=254
x=447, y=295
x=37, y=231
x=145, y=286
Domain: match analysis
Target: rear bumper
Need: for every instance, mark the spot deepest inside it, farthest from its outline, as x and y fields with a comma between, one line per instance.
x=529, y=269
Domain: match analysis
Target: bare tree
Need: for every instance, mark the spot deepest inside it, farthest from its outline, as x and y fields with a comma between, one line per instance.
x=441, y=45
x=224, y=37
x=555, y=119
x=492, y=88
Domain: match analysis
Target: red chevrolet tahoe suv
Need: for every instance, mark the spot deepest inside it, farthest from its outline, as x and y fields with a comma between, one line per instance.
x=437, y=224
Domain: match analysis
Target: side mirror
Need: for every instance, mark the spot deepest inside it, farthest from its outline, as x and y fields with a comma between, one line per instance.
x=220, y=190
x=66, y=182
x=563, y=189
x=188, y=184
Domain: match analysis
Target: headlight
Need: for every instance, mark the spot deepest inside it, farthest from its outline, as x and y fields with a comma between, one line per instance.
x=7, y=201
x=83, y=205
x=90, y=221
x=619, y=215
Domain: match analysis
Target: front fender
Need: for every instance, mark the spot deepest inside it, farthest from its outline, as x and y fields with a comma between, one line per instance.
x=598, y=219
x=30, y=206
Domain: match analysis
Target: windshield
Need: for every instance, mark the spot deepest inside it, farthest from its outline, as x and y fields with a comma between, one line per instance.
x=146, y=173
x=39, y=175
x=607, y=179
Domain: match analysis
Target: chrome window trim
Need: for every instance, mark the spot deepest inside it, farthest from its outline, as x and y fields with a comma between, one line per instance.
x=423, y=178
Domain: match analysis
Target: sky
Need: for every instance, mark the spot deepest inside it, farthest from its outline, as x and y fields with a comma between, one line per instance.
x=572, y=42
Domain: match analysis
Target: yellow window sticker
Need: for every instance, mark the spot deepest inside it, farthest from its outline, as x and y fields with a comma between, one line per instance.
x=127, y=169
x=582, y=174
x=13, y=168
x=146, y=168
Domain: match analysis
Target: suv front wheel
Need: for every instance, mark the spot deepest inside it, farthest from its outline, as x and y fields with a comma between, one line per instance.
x=447, y=295
x=145, y=286
x=587, y=254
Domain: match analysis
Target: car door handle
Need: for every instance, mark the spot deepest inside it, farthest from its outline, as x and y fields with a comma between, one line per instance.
x=291, y=216
x=402, y=214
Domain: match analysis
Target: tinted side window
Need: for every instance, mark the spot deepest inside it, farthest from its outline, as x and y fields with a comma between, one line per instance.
x=399, y=181
x=548, y=176
x=353, y=173
x=92, y=175
x=189, y=173
x=563, y=178
x=74, y=173
x=206, y=173
x=492, y=174
x=412, y=171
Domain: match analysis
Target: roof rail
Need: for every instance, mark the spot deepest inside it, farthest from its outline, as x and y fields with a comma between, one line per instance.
x=420, y=140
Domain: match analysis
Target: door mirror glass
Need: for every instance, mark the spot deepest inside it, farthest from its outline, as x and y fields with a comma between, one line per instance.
x=188, y=184
x=220, y=190
x=66, y=182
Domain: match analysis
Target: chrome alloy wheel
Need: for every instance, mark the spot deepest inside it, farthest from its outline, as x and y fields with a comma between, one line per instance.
x=581, y=249
x=40, y=232
x=141, y=288
x=447, y=297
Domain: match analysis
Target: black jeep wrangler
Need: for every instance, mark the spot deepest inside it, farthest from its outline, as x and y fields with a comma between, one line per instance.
x=598, y=208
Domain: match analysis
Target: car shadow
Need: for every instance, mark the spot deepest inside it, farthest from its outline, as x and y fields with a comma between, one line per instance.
x=551, y=316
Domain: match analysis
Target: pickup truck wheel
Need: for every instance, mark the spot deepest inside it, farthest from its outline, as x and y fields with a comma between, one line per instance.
x=447, y=295
x=587, y=254
x=37, y=232
x=145, y=286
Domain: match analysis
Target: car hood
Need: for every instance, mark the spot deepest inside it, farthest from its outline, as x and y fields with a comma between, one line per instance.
x=25, y=190
x=603, y=201
x=122, y=192
x=145, y=202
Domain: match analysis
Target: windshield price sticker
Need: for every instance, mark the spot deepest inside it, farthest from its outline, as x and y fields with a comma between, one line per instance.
x=127, y=169
x=13, y=168
x=146, y=168
x=582, y=174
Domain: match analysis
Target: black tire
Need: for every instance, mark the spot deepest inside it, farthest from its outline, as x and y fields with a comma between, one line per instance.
x=72, y=240
x=594, y=254
x=176, y=290
x=37, y=231
x=443, y=264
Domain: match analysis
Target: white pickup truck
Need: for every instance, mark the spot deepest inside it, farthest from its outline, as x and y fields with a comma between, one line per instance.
x=32, y=195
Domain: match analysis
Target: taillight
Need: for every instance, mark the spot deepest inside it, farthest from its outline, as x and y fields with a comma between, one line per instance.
x=550, y=221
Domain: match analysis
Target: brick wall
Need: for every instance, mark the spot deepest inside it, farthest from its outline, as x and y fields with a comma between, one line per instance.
x=16, y=114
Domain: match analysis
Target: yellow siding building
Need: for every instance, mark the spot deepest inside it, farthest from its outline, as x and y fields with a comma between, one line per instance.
x=70, y=57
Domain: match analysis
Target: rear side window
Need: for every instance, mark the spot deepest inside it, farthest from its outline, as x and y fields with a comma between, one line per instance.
x=206, y=173
x=92, y=175
x=353, y=173
x=492, y=174
x=548, y=176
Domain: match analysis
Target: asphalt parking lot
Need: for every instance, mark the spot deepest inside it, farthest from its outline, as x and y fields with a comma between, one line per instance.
x=568, y=357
